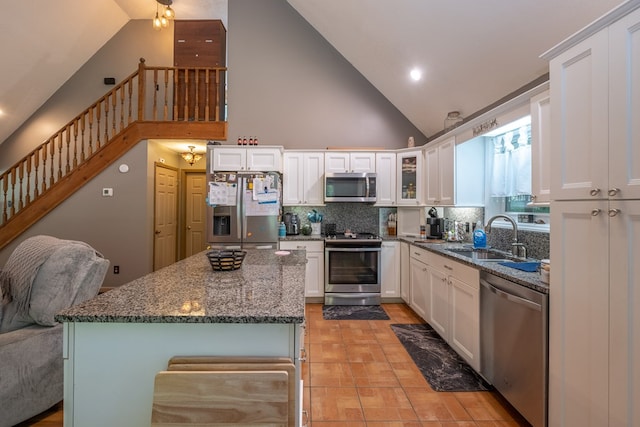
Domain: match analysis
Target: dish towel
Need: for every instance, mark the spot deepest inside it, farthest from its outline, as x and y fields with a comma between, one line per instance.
x=531, y=267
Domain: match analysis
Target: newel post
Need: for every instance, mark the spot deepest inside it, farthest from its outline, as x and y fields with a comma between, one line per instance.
x=141, y=89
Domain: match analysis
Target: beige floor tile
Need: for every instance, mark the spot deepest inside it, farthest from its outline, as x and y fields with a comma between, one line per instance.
x=327, y=352
x=374, y=374
x=431, y=406
x=335, y=404
x=357, y=352
x=385, y=404
x=334, y=374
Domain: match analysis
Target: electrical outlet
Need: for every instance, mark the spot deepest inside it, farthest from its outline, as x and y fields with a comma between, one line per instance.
x=107, y=192
x=116, y=269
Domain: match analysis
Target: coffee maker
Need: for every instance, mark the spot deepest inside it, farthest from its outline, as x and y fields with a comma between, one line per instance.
x=435, y=228
x=291, y=224
x=435, y=225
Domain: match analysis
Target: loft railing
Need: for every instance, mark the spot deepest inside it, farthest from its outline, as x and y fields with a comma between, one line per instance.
x=151, y=94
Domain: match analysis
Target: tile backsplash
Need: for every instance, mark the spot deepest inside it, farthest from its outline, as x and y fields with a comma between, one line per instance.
x=367, y=218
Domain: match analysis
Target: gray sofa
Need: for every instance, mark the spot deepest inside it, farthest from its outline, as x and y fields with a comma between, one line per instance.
x=42, y=276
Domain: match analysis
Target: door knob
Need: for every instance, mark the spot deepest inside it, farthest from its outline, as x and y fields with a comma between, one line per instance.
x=157, y=231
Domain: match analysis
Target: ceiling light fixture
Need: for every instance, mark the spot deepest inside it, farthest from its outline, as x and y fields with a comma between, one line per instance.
x=161, y=21
x=191, y=157
x=415, y=74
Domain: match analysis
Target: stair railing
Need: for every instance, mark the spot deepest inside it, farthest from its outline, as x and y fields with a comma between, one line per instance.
x=150, y=94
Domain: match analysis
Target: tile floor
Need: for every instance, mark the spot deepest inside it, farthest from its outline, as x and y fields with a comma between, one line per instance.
x=358, y=374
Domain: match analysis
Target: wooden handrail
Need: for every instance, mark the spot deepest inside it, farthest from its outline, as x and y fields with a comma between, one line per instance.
x=181, y=96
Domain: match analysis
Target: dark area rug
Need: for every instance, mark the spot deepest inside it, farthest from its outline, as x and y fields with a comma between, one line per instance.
x=440, y=365
x=354, y=312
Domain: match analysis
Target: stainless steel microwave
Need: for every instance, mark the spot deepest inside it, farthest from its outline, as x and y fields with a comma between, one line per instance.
x=350, y=187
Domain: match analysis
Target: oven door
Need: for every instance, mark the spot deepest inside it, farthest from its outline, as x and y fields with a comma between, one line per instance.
x=352, y=269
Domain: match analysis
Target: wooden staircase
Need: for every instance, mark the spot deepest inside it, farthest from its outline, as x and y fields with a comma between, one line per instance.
x=153, y=102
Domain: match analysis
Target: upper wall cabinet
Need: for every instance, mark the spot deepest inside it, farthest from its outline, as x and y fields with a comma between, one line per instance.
x=236, y=159
x=440, y=164
x=596, y=104
x=410, y=182
x=341, y=162
x=386, y=178
x=303, y=178
x=540, y=146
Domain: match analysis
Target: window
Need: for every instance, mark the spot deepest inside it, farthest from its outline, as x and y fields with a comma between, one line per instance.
x=508, y=176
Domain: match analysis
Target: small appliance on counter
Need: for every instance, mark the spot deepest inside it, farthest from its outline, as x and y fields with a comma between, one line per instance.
x=435, y=225
x=292, y=224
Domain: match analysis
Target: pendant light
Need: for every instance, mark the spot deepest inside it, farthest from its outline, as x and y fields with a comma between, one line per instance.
x=162, y=21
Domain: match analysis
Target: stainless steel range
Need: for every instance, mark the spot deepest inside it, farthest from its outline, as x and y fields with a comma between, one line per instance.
x=352, y=269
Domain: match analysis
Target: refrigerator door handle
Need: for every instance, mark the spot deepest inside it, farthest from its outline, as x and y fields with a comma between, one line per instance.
x=240, y=225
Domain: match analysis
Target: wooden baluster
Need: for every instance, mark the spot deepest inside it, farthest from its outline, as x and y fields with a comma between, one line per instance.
x=60, y=143
x=106, y=119
x=5, y=188
x=165, y=111
x=36, y=184
x=141, y=89
x=114, y=118
x=12, y=212
x=196, y=103
x=29, y=166
x=176, y=90
x=206, y=94
x=130, y=88
x=67, y=164
x=75, y=142
x=21, y=189
x=122, y=106
x=217, y=118
x=98, y=117
x=52, y=154
x=186, y=95
x=90, y=130
x=154, y=108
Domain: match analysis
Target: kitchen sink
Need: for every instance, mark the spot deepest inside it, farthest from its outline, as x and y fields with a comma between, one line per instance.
x=487, y=255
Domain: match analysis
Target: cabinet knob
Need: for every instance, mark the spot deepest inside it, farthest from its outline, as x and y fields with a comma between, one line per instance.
x=595, y=212
x=614, y=191
x=613, y=212
x=594, y=192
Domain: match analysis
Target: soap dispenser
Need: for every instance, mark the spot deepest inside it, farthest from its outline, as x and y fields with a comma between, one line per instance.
x=479, y=236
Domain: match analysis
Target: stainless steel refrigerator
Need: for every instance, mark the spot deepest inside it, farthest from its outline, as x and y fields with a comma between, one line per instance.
x=244, y=209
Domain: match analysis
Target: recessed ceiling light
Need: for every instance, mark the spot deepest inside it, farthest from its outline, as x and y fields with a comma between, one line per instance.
x=1, y=113
x=415, y=74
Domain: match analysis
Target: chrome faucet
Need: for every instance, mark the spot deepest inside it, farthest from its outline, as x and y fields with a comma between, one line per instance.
x=517, y=249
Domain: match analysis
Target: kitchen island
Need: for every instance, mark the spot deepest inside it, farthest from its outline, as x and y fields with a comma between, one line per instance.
x=116, y=343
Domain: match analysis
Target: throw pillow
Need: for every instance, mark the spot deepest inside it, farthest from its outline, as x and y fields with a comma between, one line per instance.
x=5, y=291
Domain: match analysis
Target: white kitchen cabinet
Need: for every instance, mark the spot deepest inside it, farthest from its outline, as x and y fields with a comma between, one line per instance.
x=540, y=146
x=405, y=271
x=238, y=159
x=454, y=310
x=440, y=161
x=386, y=179
x=594, y=294
x=390, y=256
x=419, y=292
x=303, y=182
x=345, y=161
x=314, y=276
x=410, y=181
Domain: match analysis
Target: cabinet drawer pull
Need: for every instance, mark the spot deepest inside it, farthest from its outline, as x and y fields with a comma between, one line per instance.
x=595, y=212
x=448, y=268
x=614, y=191
x=613, y=212
x=303, y=355
x=594, y=192
x=300, y=247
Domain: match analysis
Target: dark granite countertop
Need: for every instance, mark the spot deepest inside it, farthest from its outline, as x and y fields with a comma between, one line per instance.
x=268, y=288
x=529, y=280
x=297, y=237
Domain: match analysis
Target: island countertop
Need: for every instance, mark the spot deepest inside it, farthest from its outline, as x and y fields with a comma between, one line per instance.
x=267, y=288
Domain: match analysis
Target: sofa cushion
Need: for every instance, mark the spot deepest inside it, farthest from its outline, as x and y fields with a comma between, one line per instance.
x=71, y=275
x=48, y=275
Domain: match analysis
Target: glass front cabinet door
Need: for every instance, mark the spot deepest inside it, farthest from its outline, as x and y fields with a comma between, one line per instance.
x=410, y=178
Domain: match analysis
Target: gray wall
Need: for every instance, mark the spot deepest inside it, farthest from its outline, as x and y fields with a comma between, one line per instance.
x=117, y=58
x=290, y=87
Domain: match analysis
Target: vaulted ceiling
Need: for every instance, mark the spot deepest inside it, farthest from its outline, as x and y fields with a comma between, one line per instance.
x=471, y=53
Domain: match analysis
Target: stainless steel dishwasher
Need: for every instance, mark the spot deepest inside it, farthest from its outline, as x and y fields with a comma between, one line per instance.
x=514, y=344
